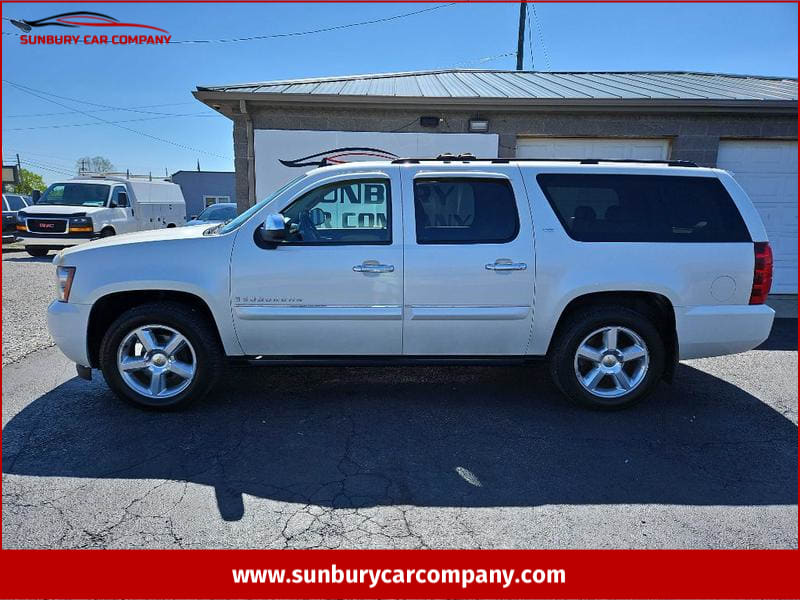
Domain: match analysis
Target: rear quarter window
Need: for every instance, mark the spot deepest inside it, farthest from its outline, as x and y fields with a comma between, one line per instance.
x=643, y=208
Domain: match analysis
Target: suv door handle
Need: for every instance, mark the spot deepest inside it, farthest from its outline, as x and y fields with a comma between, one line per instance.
x=373, y=268
x=506, y=266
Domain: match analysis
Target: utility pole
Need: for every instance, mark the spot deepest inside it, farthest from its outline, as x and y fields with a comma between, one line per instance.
x=521, y=36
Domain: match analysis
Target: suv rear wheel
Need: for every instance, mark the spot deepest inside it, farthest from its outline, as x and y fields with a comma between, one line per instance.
x=162, y=355
x=607, y=358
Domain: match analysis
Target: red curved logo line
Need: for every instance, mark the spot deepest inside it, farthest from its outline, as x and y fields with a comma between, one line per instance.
x=105, y=23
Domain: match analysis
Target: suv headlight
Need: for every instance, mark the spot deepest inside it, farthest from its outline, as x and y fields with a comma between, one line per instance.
x=81, y=225
x=21, y=216
x=64, y=276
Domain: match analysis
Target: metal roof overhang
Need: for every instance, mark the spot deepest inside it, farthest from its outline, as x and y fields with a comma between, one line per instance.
x=266, y=100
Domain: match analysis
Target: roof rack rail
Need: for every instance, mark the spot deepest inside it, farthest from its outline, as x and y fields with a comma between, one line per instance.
x=85, y=174
x=582, y=161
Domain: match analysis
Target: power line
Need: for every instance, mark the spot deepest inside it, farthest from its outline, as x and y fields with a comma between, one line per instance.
x=484, y=59
x=52, y=157
x=56, y=114
x=37, y=94
x=313, y=31
x=67, y=98
x=43, y=167
x=540, y=32
x=109, y=122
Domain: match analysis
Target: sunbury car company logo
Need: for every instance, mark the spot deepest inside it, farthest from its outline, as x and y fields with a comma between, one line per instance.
x=104, y=31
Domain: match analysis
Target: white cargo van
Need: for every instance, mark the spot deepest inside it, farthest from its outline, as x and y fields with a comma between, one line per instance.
x=90, y=207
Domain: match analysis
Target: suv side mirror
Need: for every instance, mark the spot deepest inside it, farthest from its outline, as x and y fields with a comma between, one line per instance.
x=274, y=229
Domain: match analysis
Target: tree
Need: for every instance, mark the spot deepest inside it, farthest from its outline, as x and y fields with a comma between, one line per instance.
x=29, y=181
x=96, y=164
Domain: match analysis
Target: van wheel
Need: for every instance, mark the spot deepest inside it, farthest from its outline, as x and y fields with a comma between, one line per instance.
x=107, y=232
x=161, y=355
x=170, y=225
x=607, y=358
x=37, y=251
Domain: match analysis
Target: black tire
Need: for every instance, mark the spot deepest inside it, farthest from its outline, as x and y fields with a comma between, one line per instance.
x=37, y=251
x=107, y=232
x=573, y=333
x=194, y=326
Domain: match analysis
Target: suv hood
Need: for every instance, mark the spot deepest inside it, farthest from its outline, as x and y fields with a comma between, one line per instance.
x=158, y=235
x=56, y=209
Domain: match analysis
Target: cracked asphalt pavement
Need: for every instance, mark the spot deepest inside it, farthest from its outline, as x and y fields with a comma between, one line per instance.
x=446, y=457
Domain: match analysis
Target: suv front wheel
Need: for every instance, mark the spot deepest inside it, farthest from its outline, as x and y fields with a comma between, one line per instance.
x=161, y=355
x=607, y=358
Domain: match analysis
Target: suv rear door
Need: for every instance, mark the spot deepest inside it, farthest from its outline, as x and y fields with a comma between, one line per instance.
x=469, y=262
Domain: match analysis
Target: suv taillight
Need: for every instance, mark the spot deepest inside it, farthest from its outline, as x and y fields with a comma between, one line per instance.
x=762, y=273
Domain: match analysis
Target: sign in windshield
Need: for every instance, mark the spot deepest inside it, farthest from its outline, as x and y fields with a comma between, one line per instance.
x=75, y=194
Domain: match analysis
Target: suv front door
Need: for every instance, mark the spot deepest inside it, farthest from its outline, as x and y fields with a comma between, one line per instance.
x=469, y=263
x=335, y=285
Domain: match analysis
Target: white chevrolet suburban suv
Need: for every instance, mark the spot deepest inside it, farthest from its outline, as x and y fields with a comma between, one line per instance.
x=611, y=270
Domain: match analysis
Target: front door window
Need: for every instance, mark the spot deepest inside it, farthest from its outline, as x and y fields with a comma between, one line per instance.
x=350, y=212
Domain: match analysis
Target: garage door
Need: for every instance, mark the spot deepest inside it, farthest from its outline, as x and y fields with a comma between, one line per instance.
x=767, y=170
x=649, y=149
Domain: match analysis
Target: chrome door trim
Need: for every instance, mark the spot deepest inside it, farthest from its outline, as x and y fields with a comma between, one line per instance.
x=326, y=313
x=467, y=313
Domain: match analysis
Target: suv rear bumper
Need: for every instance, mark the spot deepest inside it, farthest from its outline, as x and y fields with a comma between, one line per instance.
x=716, y=330
x=68, y=325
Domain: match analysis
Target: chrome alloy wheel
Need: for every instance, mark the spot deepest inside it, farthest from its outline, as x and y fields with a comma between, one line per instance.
x=611, y=362
x=156, y=361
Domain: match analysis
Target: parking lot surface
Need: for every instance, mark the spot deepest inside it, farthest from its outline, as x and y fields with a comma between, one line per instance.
x=456, y=457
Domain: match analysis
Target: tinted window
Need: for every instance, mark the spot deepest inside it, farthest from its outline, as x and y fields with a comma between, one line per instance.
x=465, y=211
x=217, y=213
x=349, y=212
x=644, y=208
x=15, y=202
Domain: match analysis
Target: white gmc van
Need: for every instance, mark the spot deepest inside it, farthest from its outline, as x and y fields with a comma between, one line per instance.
x=86, y=208
x=611, y=270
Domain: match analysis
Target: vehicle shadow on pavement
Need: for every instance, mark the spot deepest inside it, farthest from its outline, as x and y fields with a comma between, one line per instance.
x=452, y=436
x=31, y=259
x=782, y=337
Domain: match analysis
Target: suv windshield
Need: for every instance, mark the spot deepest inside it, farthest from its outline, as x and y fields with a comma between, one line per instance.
x=238, y=221
x=75, y=194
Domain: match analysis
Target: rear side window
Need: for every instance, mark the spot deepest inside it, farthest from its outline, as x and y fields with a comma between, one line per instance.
x=465, y=211
x=643, y=208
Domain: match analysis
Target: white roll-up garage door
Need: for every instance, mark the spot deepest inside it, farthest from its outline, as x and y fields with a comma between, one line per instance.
x=767, y=170
x=639, y=148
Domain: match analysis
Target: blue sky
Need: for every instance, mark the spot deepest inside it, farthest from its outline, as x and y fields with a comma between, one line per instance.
x=734, y=38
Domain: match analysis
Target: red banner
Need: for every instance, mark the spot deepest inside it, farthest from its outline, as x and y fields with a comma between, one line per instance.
x=400, y=574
